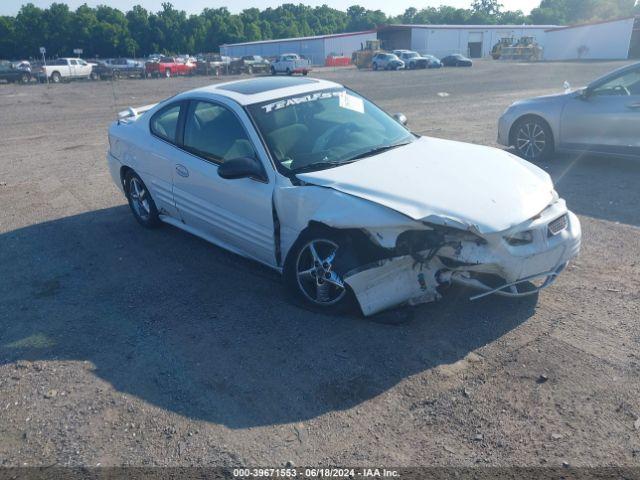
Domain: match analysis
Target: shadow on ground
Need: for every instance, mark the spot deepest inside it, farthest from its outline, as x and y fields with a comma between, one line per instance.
x=596, y=186
x=198, y=331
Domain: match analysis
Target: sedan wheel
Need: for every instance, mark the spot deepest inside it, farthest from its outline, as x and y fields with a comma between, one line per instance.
x=533, y=139
x=317, y=279
x=140, y=201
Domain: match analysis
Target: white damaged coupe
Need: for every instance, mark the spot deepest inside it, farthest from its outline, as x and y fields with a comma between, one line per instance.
x=315, y=181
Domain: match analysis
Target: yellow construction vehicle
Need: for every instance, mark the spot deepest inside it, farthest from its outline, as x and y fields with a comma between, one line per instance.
x=496, y=51
x=526, y=49
x=362, y=58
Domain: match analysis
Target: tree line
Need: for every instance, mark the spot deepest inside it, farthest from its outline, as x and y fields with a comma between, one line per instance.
x=107, y=32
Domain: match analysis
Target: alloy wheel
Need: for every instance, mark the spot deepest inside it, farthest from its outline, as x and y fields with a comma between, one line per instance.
x=531, y=140
x=139, y=199
x=316, y=276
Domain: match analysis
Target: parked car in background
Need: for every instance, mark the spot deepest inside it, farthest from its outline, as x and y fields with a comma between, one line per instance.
x=115, y=68
x=249, y=64
x=167, y=67
x=386, y=61
x=22, y=65
x=211, y=64
x=317, y=182
x=603, y=118
x=433, y=62
x=10, y=74
x=64, y=69
x=412, y=60
x=456, y=60
x=290, y=63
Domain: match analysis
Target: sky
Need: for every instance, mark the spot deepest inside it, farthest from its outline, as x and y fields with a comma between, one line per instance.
x=394, y=7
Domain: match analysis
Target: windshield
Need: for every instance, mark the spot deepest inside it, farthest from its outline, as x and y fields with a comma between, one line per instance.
x=412, y=55
x=324, y=129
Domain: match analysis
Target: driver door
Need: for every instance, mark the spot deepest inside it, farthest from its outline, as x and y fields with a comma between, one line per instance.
x=236, y=214
x=607, y=119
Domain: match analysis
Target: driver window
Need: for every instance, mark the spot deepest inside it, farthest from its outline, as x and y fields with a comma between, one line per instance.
x=214, y=133
x=626, y=84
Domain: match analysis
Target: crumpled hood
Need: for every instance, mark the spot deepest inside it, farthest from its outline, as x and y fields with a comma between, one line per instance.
x=448, y=183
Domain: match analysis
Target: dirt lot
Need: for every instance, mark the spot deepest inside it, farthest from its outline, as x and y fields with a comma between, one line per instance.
x=125, y=346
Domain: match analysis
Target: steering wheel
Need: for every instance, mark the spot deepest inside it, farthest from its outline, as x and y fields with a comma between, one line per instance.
x=335, y=136
x=621, y=90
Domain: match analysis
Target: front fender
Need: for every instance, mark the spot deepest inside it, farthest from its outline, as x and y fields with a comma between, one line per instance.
x=298, y=206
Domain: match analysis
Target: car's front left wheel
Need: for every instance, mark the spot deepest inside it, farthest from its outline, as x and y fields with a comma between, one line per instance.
x=142, y=205
x=532, y=138
x=314, y=270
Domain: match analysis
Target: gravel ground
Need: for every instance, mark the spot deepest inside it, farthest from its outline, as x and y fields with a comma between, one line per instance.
x=120, y=346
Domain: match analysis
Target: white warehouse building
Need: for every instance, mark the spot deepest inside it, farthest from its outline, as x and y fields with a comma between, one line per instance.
x=315, y=49
x=474, y=41
x=607, y=40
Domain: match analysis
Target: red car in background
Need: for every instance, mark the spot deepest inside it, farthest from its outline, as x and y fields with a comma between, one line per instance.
x=168, y=67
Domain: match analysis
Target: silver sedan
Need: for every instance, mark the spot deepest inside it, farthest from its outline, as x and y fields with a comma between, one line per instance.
x=602, y=118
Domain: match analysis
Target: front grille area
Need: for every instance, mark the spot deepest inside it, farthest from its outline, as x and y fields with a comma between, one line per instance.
x=558, y=225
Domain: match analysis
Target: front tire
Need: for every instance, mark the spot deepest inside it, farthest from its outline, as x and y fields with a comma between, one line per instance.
x=167, y=73
x=142, y=205
x=533, y=139
x=25, y=78
x=314, y=269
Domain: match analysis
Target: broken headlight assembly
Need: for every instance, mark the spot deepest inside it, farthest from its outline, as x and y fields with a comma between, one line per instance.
x=520, y=238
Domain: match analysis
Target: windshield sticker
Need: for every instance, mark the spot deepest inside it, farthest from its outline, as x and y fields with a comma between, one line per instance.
x=313, y=97
x=351, y=103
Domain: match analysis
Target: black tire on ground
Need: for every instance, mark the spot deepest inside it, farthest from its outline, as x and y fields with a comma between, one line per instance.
x=167, y=73
x=56, y=77
x=25, y=78
x=532, y=138
x=289, y=72
x=313, y=280
x=273, y=70
x=375, y=66
x=140, y=202
x=93, y=76
x=305, y=73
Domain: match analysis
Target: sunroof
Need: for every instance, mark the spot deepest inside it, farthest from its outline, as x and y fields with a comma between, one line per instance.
x=264, y=84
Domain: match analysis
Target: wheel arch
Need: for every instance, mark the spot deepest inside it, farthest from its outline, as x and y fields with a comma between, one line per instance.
x=533, y=116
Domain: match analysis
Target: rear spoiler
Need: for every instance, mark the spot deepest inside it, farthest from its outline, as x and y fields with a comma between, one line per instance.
x=131, y=114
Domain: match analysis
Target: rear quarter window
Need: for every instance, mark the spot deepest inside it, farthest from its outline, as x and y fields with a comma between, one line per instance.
x=164, y=124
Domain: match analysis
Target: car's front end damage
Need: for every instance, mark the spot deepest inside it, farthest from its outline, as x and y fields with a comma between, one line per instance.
x=518, y=262
x=507, y=233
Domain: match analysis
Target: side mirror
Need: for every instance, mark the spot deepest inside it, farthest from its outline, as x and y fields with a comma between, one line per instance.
x=243, y=167
x=401, y=118
x=585, y=93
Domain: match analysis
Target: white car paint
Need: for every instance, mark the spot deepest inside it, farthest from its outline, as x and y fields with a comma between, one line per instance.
x=482, y=195
x=424, y=181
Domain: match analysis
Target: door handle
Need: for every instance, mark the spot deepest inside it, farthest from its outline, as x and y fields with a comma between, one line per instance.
x=634, y=106
x=182, y=170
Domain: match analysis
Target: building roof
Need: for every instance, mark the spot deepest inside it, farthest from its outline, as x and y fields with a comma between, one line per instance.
x=264, y=89
x=299, y=39
x=468, y=27
x=596, y=22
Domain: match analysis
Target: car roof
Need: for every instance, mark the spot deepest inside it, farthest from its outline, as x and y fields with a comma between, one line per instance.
x=263, y=89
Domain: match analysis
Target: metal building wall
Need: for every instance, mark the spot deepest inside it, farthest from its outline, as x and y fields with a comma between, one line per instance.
x=347, y=44
x=445, y=41
x=313, y=49
x=602, y=41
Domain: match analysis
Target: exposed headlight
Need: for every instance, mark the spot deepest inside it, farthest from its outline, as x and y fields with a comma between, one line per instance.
x=520, y=238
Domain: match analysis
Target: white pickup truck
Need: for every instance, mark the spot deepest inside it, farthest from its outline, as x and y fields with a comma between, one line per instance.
x=65, y=69
x=290, y=63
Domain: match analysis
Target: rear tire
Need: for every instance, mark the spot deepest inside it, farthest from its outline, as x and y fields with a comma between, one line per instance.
x=55, y=77
x=167, y=73
x=532, y=138
x=142, y=205
x=25, y=78
x=375, y=66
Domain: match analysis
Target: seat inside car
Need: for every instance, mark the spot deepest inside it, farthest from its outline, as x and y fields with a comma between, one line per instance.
x=285, y=135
